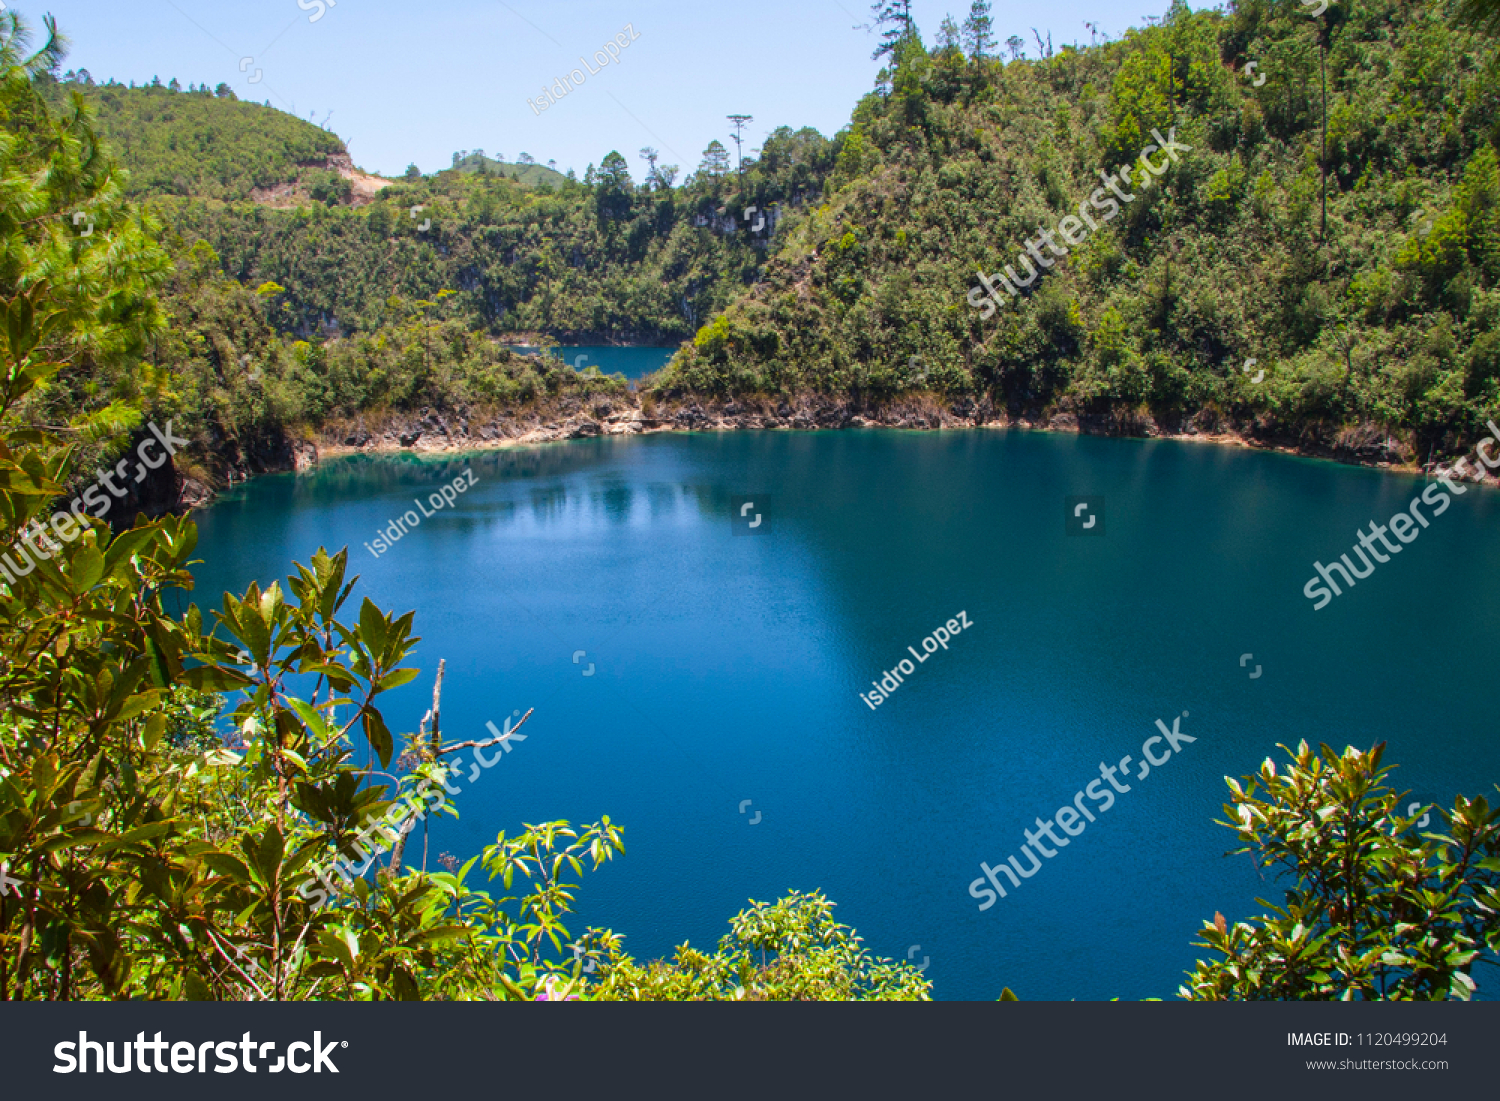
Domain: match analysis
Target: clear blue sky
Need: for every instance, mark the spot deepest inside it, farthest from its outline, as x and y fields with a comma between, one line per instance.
x=412, y=82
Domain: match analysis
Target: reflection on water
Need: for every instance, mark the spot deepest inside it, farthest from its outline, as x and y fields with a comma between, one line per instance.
x=543, y=480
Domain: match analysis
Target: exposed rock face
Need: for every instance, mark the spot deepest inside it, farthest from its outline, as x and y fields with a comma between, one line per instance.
x=365, y=186
x=291, y=193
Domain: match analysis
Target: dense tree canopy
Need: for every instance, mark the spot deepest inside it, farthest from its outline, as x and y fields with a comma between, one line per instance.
x=1383, y=321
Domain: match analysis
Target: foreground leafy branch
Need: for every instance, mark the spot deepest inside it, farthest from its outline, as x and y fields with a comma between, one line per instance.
x=1377, y=909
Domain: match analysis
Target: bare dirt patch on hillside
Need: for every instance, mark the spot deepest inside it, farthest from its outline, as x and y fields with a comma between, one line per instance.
x=293, y=193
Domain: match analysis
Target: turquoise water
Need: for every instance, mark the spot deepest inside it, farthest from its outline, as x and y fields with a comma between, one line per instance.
x=728, y=667
x=633, y=363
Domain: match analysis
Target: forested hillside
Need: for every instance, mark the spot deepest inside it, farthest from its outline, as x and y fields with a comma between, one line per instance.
x=1221, y=269
x=198, y=142
x=296, y=293
x=525, y=248
x=602, y=258
x=527, y=171
x=1218, y=296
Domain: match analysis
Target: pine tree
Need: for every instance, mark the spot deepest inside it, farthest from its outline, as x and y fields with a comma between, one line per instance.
x=948, y=37
x=614, y=172
x=894, y=19
x=979, y=38
x=715, y=160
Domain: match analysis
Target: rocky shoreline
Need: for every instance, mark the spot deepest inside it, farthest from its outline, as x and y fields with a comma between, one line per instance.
x=459, y=430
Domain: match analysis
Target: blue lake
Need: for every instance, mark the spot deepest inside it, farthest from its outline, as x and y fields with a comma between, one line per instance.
x=633, y=363
x=727, y=664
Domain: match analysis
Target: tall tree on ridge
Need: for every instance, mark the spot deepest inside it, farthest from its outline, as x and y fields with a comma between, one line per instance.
x=660, y=177
x=979, y=37
x=894, y=19
x=948, y=35
x=715, y=160
x=739, y=129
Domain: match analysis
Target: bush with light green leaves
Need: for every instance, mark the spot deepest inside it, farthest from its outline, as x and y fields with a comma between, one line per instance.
x=792, y=950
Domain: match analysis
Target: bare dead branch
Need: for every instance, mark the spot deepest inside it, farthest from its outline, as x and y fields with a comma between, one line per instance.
x=440, y=750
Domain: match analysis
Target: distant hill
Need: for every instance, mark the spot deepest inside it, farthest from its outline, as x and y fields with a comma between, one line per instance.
x=598, y=259
x=526, y=248
x=207, y=144
x=531, y=175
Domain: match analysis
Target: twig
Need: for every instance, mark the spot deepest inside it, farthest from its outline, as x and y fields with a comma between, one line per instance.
x=230, y=961
x=440, y=750
x=399, y=849
x=437, y=699
x=296, y=948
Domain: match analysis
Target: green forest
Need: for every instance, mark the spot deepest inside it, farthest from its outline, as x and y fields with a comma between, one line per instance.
x=1332, y=227
x=196, y=142
x=525, y=248
x=295, y=304
x=1358, y=271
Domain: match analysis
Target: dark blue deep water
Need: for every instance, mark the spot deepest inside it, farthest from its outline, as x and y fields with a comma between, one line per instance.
x=727, y=668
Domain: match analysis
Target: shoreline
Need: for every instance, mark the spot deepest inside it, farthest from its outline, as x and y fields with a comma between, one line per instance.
x=427, y=435
x=567, y=430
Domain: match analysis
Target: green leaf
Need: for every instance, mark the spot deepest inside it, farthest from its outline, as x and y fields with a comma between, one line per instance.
x=314, y=721
x=194, y=989
x=87, y=567
x=379, y=737
x=372, y=627
x=396, y=678
x=144, y=833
